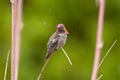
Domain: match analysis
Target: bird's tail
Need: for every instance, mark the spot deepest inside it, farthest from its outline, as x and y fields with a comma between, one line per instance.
x=49, y=53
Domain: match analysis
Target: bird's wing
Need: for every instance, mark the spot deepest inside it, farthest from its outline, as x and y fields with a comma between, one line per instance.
x=55, y=42
x=52, y=41
x=52, y=44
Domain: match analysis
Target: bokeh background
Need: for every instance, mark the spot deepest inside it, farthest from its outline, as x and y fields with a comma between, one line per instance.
x=80, y=18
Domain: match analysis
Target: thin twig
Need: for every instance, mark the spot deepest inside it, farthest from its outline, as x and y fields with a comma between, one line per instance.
x=66, y=56
x=103, y=59
x=46, y=62
x=43, y=68
x=99, y=77
x=6, y=66
x=99, y=43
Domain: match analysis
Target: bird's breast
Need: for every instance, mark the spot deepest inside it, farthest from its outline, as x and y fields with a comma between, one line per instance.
x=64, y=36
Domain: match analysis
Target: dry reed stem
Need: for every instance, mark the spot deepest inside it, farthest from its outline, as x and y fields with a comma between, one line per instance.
x=16, y=37
x=13, y=50
x=99, y=43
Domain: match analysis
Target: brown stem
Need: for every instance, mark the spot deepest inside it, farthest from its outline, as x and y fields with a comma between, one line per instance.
x=13, y=51
x=16, y=36
x=99, y=43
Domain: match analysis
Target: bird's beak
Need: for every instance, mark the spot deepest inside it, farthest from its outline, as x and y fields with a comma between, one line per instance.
x=66, y=32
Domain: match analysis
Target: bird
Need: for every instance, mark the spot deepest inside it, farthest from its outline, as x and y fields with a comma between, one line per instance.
x=57, y=40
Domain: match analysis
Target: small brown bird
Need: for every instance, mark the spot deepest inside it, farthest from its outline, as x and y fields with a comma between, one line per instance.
x=57, y=40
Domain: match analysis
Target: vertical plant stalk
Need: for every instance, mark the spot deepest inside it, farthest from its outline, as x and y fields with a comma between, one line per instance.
x=99, y=43
x=16, y=36
x=13, y=50
x=6, y=66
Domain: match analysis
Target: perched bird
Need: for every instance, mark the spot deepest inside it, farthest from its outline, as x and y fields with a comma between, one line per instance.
x=57, y=40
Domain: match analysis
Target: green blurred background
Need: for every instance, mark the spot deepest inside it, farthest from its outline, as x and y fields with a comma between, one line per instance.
x=80, y=18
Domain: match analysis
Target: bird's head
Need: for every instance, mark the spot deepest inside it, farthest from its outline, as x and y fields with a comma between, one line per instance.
x=61, y=29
